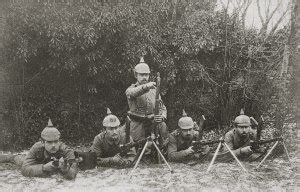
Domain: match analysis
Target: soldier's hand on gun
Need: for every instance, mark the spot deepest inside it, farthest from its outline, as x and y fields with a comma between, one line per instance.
x=190, y=150
x=49, y=167
x=63, y=165
x=246, y=150
x=117, y=158
x=151, y=116
x=158, y=118
x=150, y=85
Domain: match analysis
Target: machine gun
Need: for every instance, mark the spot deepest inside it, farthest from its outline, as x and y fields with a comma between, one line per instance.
x=66, y=161
x=155, y=130
x=124, y=148
x=256, y=144
x=197, y=145
x=85, y=160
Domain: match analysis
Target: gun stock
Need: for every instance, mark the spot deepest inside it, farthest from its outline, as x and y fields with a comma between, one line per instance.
x=127, y=129
x=201, y=127
x=259, y=128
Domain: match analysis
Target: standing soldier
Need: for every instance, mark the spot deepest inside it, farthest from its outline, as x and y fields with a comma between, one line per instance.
x=141, y=101
x=180, y=141
x=107, y=144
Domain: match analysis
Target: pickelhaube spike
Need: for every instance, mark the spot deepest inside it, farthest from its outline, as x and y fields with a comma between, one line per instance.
x=184, y=113
x=108, y=111
x=50, y=123
x=142, y=60
x=242, y=112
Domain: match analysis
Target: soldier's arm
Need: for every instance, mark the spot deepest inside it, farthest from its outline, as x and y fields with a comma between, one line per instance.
x=173, y=154
x=119, y=161
x=130, y=156
x=228, y=139
x=96, y=147
x=32, y=168
x=73, y=170
x=133, y=92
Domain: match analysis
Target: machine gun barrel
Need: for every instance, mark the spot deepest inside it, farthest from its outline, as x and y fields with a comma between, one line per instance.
x=198, y=144
x=261, y=142
x=126, y=147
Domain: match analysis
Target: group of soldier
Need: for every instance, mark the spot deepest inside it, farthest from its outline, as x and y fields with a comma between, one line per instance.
x=50, y=155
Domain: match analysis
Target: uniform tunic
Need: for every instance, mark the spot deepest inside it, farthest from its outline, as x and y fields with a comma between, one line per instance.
x=37, y=156
x=141, y=101
x=107, y=149
x=177, y=146
x=235, y=142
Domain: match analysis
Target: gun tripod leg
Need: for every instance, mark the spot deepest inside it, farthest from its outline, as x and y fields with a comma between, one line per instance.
x=273, y=147
x=286, y=151
x=231, y=152
x=163, y=157
x=214, y=158
x=141, y=155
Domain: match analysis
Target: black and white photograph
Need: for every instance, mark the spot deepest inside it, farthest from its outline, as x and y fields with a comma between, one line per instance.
x=149, y=95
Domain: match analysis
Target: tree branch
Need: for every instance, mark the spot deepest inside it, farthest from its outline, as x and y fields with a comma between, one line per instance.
x=278, y=22
x=259, y=12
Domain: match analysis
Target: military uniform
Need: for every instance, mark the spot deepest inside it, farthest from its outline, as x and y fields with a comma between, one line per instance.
x=240, y=145
x=107, y=149
x=33, y=163
x=37, y=162
x=177, y=146
x=235, y=142
x=141, y=103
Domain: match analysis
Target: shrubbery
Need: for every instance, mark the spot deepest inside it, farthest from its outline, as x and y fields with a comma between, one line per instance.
x=72, y=60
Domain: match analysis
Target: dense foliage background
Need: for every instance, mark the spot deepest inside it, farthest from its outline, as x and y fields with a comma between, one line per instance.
x=69, y=60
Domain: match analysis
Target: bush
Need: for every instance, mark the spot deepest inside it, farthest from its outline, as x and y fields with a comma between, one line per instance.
x=75, y=59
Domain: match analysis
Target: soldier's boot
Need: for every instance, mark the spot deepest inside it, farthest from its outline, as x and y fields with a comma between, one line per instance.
x=7, y=158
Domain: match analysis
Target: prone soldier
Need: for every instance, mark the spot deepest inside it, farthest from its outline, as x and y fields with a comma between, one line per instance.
x=240, y=138
x=180, y=148
x=107, y=144
x=46, y=157
x=40, y=159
